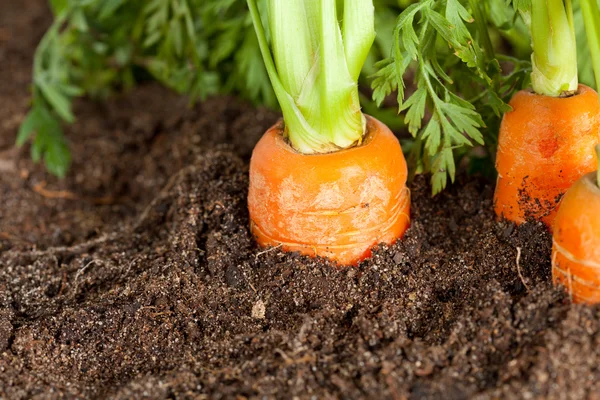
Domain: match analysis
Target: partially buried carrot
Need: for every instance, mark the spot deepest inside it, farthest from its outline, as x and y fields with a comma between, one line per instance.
x=327, y=180
x=544, y=142
x=576, y=241
x=542, y=151
x=336, y=205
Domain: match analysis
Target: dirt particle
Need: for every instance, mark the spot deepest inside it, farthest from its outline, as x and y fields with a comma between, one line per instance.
x=258, y=310
x=399, y=258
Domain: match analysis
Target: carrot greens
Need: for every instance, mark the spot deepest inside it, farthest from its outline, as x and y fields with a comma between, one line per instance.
x=315, y=67
x=93, y=47
x=554, y=66
x=591, y=18
x=457, y=81
x=195, y=47
x=445, y=58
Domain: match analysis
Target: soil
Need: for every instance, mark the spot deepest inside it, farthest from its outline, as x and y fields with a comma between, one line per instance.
x=136, y=276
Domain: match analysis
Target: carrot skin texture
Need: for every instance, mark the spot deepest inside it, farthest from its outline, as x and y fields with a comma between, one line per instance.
x=543, y=148
x=336, y=205
x=576, y=242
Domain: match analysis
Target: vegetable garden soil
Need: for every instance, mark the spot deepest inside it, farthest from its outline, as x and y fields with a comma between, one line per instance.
x=136, y=277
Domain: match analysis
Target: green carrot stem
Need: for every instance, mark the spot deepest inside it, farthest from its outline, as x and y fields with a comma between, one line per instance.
x=554, y=48
x=314, y=67
x=591, y=19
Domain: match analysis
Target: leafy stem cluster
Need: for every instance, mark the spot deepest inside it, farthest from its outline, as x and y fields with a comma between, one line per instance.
x=438, y=45
x=448, y=63
x=196, y=47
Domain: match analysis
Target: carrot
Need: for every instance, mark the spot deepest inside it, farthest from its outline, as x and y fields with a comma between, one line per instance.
x=328, y=180
x=543, y=141
x=542, y=152
x=576, y=240
x=336, y=205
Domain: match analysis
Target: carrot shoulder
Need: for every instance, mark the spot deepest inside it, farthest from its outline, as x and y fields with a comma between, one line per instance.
x=336, y=205
x=576, y=241
x=543, y=148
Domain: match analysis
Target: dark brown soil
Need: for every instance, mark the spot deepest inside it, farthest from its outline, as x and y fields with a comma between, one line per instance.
x=136, y=277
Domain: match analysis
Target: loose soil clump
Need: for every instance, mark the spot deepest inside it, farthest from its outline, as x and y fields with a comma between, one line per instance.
x=136, y=277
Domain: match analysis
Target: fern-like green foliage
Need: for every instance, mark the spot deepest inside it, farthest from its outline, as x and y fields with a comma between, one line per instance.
x=196, y=47
x=458, y=81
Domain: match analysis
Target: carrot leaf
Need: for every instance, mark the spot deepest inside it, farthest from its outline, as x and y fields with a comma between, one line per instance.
x=416, y=110
x=48, y=140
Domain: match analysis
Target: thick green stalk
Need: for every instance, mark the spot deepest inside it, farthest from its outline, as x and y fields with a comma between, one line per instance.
x=316, y=67
x=591, y=19
x=358, y=33
x=288, y=18
x=554, y=49
x=304, y=136
x=340, y=117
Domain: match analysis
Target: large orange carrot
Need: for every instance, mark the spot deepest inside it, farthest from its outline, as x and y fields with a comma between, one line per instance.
x=327, y=180
x=543, y=148
x=337, y=205
x=576, y=241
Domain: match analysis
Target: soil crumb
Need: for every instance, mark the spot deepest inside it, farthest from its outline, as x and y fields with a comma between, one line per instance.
x=144, y=281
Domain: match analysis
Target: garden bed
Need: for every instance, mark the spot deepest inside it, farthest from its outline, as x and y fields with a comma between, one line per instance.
x=136, y=277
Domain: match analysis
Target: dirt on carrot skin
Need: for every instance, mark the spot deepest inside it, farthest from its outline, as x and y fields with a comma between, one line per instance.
x=136, y=277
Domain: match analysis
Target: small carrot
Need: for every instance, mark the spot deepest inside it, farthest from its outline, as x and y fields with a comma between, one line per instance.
x=576, y=240
x=541, y=152
x=543, y=141
x=328, y=180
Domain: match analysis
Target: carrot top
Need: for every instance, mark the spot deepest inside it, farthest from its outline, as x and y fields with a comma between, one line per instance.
x=554, y=69
x=591, y=19
x=314, y=68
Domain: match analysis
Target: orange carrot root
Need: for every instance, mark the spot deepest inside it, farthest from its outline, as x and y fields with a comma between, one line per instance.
x=543, y=148
x=336, y=205
x=576, y=241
